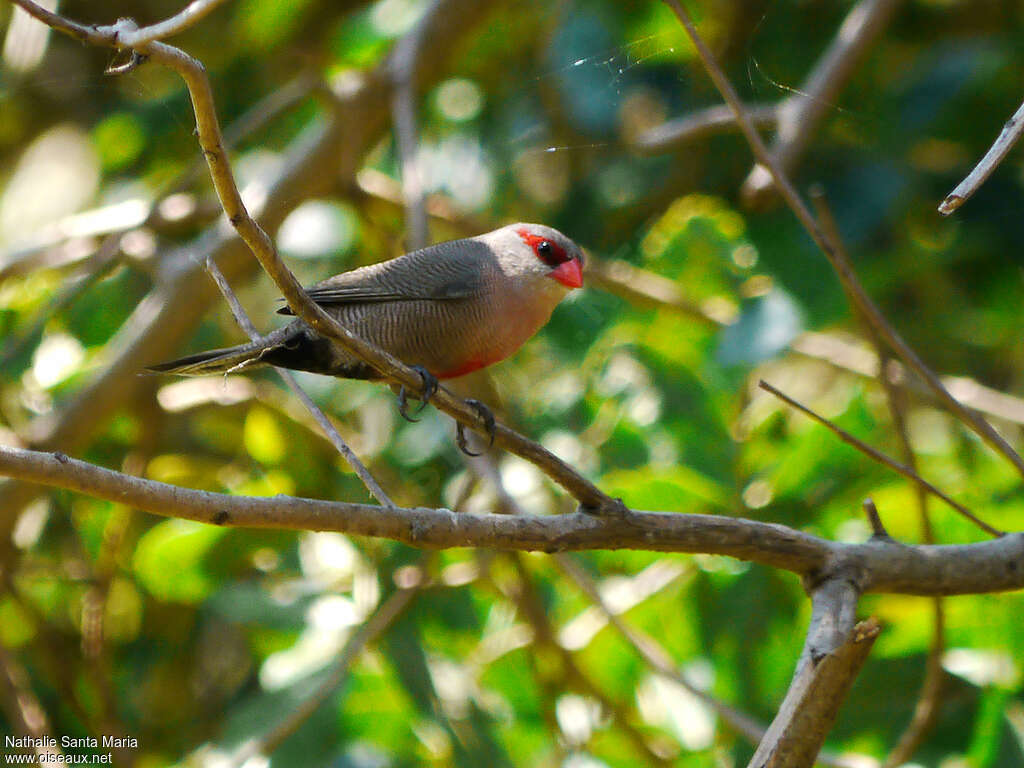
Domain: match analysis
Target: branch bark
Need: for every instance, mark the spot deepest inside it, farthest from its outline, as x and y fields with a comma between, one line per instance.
x=875, y=566
x=1011, y=133
x=812, y=703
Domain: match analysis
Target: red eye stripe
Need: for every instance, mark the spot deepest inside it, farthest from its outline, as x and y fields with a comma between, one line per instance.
x=555, y=253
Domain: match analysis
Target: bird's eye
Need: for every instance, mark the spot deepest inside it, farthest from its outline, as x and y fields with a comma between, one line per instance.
x=550, y=253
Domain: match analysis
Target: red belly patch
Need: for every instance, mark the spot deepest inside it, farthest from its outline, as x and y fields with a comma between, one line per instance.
x=467, y=367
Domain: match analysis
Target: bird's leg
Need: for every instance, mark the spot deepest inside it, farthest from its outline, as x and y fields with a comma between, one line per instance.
x=485, y=416
x=429, y=388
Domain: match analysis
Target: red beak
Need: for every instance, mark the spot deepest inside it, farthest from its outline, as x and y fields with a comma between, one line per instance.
x=569, y=273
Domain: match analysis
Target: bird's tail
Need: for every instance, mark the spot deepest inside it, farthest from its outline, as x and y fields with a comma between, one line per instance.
x=214, y=361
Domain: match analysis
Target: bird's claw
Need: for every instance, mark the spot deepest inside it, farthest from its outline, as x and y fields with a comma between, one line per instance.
x=486, y=417
x=429, y=388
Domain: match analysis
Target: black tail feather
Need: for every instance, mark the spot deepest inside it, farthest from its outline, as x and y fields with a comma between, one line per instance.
x=211, y=361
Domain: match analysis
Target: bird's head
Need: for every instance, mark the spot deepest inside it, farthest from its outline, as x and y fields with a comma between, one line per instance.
x=546, y=251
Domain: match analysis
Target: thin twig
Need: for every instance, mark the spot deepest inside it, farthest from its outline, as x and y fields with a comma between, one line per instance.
x=875, y=520
x=843, y=269
x=329, y=430
x=880, y=457
x=128, y=35
x=701, y=124
x=1012, y=130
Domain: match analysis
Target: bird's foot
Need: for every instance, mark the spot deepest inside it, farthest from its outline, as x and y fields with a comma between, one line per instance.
x=429, y=388
x=486, y=417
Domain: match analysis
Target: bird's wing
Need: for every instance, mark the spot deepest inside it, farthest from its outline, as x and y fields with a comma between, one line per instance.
x=434, y=274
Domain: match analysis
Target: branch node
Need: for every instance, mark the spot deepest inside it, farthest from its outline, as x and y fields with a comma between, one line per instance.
x=135, y=60
x=612, y=508
x=877, y=527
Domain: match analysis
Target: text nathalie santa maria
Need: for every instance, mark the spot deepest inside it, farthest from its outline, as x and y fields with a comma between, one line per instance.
x=71, y=742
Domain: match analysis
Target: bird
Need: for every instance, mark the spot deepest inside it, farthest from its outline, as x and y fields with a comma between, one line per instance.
x=446, y=310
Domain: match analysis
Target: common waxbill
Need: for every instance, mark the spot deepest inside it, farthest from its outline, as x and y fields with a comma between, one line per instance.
x=449, y=309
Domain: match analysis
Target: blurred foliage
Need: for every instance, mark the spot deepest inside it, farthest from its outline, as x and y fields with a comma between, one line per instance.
x=196, y=640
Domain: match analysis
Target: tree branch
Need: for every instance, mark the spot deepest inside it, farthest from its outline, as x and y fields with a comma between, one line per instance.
x=875, y=566
x=1012, y=130
x=813, y=701
x=701, y=124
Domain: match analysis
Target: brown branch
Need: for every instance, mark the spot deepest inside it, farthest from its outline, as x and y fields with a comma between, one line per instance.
x=843, y=269
x=877, y=566
x=833, y=614
x=1012, y=130
x=875, y=520
x=701, y=124
x=813, y=701
x=881, y=458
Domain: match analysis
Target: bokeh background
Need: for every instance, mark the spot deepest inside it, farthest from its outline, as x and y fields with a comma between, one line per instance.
x=195, y=639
